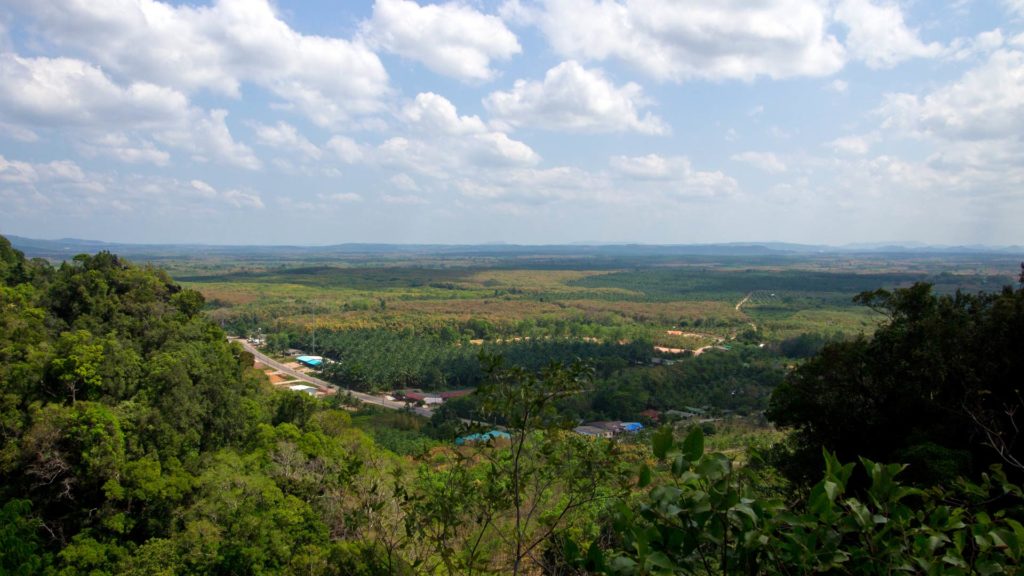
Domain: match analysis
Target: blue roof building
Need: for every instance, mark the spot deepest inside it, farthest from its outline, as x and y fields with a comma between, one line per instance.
x=482, y=437
x=311, y=361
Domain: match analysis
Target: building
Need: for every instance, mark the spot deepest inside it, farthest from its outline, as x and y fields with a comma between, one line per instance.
x=593, y=431
x=311, y=361
x=304, y=388
x=430, y=397
x=494, y=435
x=607, y=428
x=651, y=414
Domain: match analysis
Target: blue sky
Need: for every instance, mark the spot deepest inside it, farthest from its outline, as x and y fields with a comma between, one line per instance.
x=526, y=121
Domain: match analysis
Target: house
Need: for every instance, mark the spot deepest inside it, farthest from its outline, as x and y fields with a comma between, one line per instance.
x=304, y=388
x=651, y=414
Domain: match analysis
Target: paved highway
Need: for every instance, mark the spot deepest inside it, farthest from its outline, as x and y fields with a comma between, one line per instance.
x=362, y=397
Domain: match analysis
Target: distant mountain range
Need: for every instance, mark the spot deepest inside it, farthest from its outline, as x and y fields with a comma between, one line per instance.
x=67, y=247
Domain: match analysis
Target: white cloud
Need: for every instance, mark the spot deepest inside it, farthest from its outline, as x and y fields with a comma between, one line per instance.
x=983, y=43
x=671, y=40
x=203, y=188
x=343, y=197
x=205, y=135
x=240, y=199
x=858, y=145
x=16, y=172
x=219, y=48
x=839, y=85
x=405, y=182
x=63, y=188
x=1015, y=7
x=765, y=161
x=986, y=102
x=573, y=98
x=346, y=149
x=432, y=112
x=65, y=92
x=121, y=147
x=879, y=36
x=451, y=39
x=443, y=141
x=284, y=136
x=404, y=199
x=73, y=95
x=675, y=173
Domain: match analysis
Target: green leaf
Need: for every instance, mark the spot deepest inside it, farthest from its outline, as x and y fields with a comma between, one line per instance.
x=661, y=442
x=645, y=476
x=595, y=558
x=693, y=445
x=661, y=561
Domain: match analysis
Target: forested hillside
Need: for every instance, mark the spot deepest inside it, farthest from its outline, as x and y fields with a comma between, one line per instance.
x=136, y=440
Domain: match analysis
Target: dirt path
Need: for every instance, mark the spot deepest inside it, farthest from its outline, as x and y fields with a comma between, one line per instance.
x=744, y=301
x=740, y=305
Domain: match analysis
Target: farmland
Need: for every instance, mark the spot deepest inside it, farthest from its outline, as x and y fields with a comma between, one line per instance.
x=489, y=298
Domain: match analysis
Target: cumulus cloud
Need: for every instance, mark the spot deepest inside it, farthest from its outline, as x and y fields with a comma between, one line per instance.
x=879, y=36
x=765, y=161
x=676, y=41
x=74, y=95
x=218, y=48
x=435, y=113
x=284, y=136
x=676, y=171
x=573, y=98
x=441, y=140
x=986, y=102
x=451, y=39
x=206, y=137
x=66, y=92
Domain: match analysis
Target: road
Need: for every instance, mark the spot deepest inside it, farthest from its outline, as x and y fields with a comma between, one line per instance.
x=361, y=396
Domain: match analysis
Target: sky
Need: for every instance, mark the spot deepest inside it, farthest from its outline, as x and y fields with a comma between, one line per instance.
x=518, y=121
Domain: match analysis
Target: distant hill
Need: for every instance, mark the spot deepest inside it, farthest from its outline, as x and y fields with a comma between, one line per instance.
x=65, y=248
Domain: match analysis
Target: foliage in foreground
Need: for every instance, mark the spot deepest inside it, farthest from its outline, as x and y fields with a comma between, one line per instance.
x=703, y=517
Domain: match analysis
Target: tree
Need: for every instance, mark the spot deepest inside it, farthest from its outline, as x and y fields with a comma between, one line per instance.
x=937, y=386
